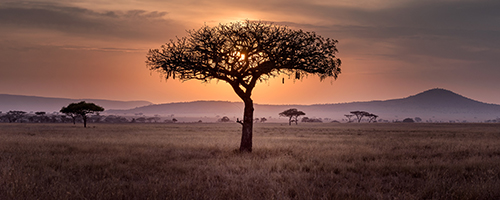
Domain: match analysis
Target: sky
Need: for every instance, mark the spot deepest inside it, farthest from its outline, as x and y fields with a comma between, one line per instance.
x=389, y=48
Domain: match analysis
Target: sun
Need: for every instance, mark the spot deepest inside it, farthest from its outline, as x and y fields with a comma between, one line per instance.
x=238, y=55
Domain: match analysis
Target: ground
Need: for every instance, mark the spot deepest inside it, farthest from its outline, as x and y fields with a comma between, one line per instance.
x=201, y=161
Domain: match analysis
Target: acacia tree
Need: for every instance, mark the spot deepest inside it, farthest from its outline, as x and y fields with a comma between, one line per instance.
x=81, y=109
x=242, y=54
x=262, y=120
x=292, y=114
x=359, y=114
x=371, y=117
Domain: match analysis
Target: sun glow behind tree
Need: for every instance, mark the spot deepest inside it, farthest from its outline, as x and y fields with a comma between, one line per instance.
x=243, y=54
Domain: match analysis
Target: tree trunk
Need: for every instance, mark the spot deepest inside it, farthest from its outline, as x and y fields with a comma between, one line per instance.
x=246, y=135
x=84, y=121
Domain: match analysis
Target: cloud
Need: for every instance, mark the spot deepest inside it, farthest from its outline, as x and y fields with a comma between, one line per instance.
x=139, y=25
x=461, y=30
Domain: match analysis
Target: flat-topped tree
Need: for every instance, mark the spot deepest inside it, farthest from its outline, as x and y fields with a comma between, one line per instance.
x=293, y=115
x=242, y=54
x=81, y=109
x=360, y=114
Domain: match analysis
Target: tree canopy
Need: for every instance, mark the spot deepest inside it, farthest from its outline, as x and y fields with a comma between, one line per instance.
x=242, y=54
x=81, y=109
x=292, y=114
x=361, y=114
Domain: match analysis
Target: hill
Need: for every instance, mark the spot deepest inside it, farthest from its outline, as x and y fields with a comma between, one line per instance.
x=430, y=105
x=33, y=103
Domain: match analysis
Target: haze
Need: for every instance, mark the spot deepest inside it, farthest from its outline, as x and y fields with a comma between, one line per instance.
x=389, y=49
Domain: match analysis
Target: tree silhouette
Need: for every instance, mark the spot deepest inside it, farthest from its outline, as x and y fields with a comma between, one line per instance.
x=15, y=115
x=81, y=109
x=408, y=120
x=371, y=117
x=141, y=119
x=242, y=54
x=40, y=117
x=40, y=113
x=224, y=119
x=307, y=119
x=359, y=114
x=292, y=114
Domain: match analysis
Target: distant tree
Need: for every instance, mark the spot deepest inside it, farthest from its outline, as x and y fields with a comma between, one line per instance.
x=408, y=120
x=72, y=115
x=307, y=119
x=371, y=117
x=292, y=114
x=40, y=117
x=174, y=120
x=242, y=54
x=418, y=119
x=262, y=120
x=15, y=115
x=40, y=113
x=81, y=109
x=141, y=119
x=224, y=119
x=359, y=114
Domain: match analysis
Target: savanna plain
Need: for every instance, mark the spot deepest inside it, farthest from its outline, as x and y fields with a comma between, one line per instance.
x=200, y=161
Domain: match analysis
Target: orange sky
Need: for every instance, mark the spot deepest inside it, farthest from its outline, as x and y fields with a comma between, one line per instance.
x=389, y=49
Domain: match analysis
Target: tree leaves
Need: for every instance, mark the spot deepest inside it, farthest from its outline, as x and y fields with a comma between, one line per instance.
x=241, y=53
x=82, y=108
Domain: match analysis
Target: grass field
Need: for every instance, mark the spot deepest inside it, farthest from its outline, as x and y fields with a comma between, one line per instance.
x=199, y=161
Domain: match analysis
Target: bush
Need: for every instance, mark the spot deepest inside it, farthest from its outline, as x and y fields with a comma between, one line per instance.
x=408, y=120
x=307, y=119
x=224, y=119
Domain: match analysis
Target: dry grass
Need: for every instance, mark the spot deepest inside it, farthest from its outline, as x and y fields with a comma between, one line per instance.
x=199, y=161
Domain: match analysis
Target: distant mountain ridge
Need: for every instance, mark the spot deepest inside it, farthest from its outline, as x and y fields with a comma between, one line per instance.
x=434, y=104
x=48, y=104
